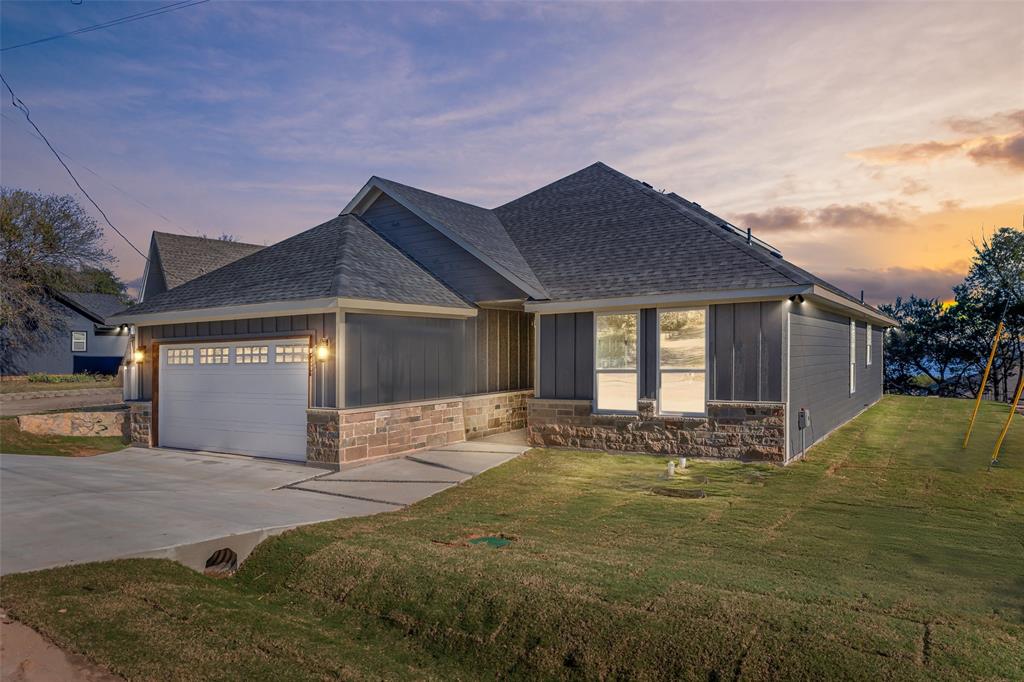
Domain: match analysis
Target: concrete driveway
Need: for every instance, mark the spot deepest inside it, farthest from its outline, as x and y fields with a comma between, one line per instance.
x=186, y=505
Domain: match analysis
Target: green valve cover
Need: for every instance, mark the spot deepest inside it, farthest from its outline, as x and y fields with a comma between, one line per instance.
x=491, y=541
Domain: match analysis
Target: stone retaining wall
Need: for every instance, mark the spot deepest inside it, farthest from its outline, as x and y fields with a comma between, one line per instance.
x=109, y=423
x=730, y=430
x=140, y=419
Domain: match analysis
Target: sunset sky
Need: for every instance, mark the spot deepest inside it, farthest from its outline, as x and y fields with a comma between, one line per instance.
x=869, y=142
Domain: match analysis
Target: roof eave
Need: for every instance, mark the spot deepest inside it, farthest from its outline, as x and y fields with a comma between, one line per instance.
x=297, y=307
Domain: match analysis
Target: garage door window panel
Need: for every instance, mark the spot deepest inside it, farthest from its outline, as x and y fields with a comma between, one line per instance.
x=252, y=355
x=291, y=354
x=180, y=356
x=214, y=356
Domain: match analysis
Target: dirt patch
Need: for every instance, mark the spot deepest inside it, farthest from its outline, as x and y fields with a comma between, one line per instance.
x=26, y=657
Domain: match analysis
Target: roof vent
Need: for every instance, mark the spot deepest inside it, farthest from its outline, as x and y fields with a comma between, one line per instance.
x=647, y=184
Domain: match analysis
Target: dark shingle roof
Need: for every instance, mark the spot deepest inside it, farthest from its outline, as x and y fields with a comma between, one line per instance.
x=183, y=258
x=599, y=234
x=340, y=258
x=99, y=306
x=477, y=227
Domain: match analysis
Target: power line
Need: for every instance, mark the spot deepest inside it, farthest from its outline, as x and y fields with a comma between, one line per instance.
x=125, y=192
x=23, y=108
x=156, y=11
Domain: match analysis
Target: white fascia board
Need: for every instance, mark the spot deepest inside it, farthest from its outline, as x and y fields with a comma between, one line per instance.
x=358, y=202
x=356, y=305
x=654, y=301
x=370, y=188
x=863, y=311
x=302, y=307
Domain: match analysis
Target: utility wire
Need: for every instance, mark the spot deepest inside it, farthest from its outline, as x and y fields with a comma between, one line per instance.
x=138, y=201
x=156, y=11
x=21, y=106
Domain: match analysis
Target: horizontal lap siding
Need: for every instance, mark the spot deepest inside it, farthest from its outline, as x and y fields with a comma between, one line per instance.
x=392, y=359
x=319, y=326
x=440, y=256
x=820, y=371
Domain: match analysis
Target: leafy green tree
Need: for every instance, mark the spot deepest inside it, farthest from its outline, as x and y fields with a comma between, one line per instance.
x=924, y=354
x=47, y=243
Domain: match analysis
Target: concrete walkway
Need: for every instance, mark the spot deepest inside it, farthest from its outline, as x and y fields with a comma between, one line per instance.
x=186, y=505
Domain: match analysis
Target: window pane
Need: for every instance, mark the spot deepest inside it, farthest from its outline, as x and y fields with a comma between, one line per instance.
x=616, y=342
x=682, y=392
x=682, y=339
x=616, y=391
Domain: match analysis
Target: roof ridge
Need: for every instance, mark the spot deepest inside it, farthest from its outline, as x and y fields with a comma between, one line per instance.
x=701, y=221
x=207, y=239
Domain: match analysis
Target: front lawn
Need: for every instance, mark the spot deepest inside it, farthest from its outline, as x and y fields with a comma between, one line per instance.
x=14, y=441
x=889, y=553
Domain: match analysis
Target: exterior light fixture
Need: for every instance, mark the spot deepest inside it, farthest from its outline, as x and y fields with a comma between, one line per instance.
x=797, y=298
x=323, y=350
x=139, y=355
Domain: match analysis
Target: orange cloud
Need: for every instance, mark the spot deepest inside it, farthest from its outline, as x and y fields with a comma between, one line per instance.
x=991, y=144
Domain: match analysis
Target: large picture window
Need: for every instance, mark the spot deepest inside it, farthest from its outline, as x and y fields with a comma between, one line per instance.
x=682, y=361
x=616, y=366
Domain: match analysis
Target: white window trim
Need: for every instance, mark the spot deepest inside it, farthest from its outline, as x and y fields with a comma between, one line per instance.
x=597, y=372
x=869, y=346
x=707, y=353
x=853, y=356
x=85, y=341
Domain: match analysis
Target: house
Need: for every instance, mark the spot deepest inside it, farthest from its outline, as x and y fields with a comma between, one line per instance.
x=595, y=311
x=84, y=341
x=175, y=259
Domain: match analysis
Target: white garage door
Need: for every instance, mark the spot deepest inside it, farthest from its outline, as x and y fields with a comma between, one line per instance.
x=246, y=398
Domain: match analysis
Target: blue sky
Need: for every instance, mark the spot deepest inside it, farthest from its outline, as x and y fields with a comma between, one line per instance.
x=869, y=142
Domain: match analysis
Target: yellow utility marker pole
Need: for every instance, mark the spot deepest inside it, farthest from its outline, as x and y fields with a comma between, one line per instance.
x=1006, y=426
x=984, y=381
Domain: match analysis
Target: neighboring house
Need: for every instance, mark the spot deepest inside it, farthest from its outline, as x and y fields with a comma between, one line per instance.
x=85, y=342
x=596, y=311
x=175, y=259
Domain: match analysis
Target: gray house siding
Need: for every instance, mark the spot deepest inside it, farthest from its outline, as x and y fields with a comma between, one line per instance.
x=442, y=257
x=744, y=363
x=746, y=351
x=319, y=326
x=819, y=376
x=393, y=359
x=567, y=356
x=53, y=354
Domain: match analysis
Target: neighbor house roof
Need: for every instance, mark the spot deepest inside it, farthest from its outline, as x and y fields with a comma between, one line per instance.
x=97, y=307
x=342, y=258
x=182, y=258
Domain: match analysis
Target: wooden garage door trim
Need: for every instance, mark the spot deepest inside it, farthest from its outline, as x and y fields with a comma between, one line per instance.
x=154, y=426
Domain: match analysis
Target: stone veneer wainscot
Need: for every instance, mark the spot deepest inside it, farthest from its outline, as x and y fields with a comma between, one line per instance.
x=355, y=435
x=140, y=419
x=732, y=430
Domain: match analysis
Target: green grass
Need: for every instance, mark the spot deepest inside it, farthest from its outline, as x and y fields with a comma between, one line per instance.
x=888, y=554
x=13, y=441
x=57, y=382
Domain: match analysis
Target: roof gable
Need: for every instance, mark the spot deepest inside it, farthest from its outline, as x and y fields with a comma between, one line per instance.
x=97, y=307
x=477, y=230
x=340, y=258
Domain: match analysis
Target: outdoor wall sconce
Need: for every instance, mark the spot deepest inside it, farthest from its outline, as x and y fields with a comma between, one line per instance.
x=139, y=355
x=798, y=298
x=323, y=350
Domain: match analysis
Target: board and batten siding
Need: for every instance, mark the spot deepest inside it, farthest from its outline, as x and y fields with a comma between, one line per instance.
x=744, y=362
x=393, y=359
x=819, y=374
x=318, y=326
x=439, y=255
